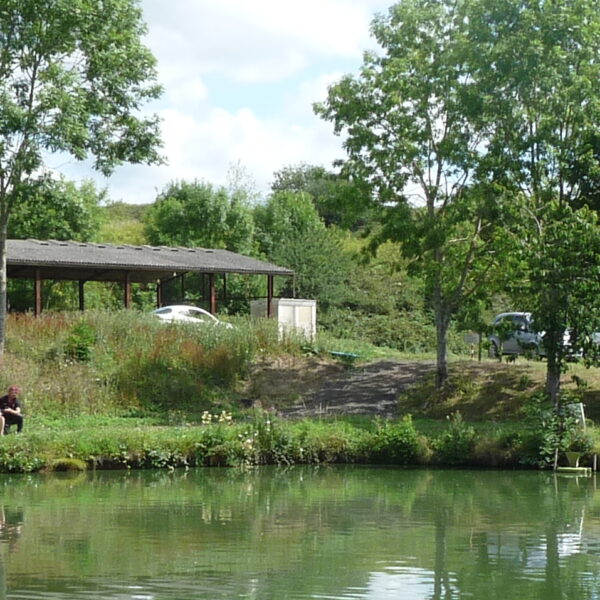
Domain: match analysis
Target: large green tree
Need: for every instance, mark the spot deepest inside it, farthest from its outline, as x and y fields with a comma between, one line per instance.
x=537, y=66
x=412, y=132
x=73, y=76
x=198, y=214
x=340, y=200
x=291, y=233
x=58, y=210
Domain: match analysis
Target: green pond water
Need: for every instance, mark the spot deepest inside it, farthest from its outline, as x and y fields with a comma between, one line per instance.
x=324, y=533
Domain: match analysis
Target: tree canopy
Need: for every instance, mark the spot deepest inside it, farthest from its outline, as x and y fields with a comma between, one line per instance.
x=58, y=210
x=198, y=214
x=410, y=121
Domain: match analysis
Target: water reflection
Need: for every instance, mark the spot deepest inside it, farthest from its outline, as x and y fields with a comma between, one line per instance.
x=335, y=533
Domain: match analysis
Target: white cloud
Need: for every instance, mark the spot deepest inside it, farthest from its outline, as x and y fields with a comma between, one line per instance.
x=259, y=40
x=240, y=79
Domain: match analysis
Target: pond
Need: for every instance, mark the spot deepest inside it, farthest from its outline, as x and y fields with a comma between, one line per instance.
x=298, y=533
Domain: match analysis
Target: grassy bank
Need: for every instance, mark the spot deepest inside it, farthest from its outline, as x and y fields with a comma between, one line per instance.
x=262, y=438
x=121, y=390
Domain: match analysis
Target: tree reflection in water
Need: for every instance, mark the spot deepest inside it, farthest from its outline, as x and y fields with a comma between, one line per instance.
x=299, y=533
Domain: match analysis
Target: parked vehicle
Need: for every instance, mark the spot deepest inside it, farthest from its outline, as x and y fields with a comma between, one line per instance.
x=181, y=313
x=515, y=333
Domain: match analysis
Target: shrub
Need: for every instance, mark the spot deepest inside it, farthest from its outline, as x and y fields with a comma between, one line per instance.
x=551, y=431
x=396, y=443
x=81, y=341
x=455, y=445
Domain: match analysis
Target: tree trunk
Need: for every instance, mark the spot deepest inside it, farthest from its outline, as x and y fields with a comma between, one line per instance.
x=442, y=321
x=441, y=372
x=553, y=380
x=3, y=280
x=553, y=366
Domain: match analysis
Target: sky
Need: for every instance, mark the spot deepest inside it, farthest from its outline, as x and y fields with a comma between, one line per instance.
x=240, y=78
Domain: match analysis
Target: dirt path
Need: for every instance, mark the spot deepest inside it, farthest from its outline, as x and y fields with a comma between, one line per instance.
x=371, y=389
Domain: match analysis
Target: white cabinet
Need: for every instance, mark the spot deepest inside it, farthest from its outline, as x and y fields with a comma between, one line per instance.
x=291, y=314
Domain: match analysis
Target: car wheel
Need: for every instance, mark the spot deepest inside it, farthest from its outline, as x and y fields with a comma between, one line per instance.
x=493, y=351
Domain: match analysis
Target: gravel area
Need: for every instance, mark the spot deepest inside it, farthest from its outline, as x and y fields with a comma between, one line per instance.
x=371, y=389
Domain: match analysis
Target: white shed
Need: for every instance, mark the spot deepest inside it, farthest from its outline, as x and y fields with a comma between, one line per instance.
x=291, y=313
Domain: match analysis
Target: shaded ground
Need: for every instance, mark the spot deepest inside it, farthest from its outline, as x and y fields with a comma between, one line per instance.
x=300, y=387
x=369, y=390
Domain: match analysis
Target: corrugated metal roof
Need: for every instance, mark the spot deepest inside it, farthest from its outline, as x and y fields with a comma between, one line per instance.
x=85, y=260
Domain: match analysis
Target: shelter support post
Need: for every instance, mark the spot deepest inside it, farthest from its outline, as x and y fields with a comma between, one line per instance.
x=81, y=295
x=159, y=293
x=127, y=290
x=213, y=293
x=37, y=293
x=182, y=287
x=269, y=296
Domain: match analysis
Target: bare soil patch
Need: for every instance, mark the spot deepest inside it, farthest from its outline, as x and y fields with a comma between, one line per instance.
x=299, y=387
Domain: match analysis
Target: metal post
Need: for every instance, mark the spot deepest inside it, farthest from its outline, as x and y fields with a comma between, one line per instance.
x=270, y=296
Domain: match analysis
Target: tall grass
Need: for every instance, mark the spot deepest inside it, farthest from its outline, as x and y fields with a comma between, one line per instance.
x=126, y=362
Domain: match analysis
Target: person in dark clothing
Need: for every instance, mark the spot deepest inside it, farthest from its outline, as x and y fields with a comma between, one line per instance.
x=10, y=407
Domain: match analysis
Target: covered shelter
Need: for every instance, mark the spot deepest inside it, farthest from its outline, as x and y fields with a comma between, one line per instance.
x=39, y=260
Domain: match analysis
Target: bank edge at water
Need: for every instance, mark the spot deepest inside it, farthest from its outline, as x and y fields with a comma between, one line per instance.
x=267, y=440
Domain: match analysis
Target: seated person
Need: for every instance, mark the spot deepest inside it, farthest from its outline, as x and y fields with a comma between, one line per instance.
x=10, y=408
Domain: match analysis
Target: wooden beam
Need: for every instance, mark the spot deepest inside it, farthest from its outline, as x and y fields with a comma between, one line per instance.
x=81, y=295
x=213, y=293
x=37, y=293
x=159, y=293
x=127, y=290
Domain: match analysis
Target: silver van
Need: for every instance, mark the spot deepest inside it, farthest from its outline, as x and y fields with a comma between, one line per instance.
x=514, y=333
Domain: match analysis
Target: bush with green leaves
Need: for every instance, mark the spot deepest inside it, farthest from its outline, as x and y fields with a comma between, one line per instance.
x=81, y=341
x=456, y=444
x=395, y=442
x=552, y=430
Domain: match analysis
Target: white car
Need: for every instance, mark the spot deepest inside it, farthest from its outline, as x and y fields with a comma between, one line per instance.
x=181, y=313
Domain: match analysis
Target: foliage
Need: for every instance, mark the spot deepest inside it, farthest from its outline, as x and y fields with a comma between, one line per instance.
x=395, y=443
x=291, y=233
x=122, y=224
x=73, y=79
x=81, y=341
x=285, y=215
x=556, y=275
x=550, y=431
x=195, y=214
x=57, y=210
x=542, y=149
x=339, y=200
x=455, y=445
